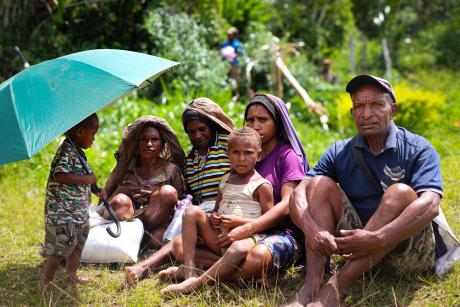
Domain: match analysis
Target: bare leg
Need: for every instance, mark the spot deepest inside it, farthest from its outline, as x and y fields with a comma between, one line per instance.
x=133, y=274
x=195, y=220
x=122, y=206
x=204, y=259
x=324, y=205
x=222, y=269
x=161, y=206
x=73, y=261
x=257, y=263
x=48, y=273
x=393, y=202
x=156, y=236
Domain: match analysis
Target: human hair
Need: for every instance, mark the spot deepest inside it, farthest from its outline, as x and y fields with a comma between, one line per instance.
x=272, y=109
x=246, y=133
x=190, y=115
x=155, y=126
x=87, y=122
x=148, y=125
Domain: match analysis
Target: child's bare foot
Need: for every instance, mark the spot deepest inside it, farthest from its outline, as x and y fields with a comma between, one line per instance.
x=185, y=287
x=73, y=278
x=133, y=275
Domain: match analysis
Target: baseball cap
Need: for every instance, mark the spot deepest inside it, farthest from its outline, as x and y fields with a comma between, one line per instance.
x=369, y=79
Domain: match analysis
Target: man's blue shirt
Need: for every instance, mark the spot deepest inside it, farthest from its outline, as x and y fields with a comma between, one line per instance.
x=236, y=44
x=407, y=158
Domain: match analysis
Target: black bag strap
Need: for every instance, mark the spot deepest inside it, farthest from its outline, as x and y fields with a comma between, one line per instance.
x=359, y=158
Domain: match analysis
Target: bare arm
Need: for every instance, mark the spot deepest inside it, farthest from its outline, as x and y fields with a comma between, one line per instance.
x=215, y=217
x=71, y=179
x=414, y=218
x=264, y=195
x=270, y=219
x=319, y=240
x=278, y=213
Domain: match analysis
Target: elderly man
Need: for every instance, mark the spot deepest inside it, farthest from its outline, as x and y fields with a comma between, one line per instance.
x=371, y=198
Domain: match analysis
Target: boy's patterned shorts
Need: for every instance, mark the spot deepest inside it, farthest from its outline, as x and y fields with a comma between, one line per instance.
x=283, y=247
x=416, y=254
x=61, y=240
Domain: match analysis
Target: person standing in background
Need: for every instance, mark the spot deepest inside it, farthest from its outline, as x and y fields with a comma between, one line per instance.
x=232, y=50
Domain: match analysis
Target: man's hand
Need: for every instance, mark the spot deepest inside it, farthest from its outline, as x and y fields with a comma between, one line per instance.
x=358, y=243
x=238, y=233
x=323, y=243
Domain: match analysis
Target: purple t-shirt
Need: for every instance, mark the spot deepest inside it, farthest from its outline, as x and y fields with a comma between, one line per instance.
x=280, y=166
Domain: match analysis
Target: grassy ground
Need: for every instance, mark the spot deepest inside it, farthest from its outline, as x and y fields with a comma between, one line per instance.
x=22, y=187
x=21, y=229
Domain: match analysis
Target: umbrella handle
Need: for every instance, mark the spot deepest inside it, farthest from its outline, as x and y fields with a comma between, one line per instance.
x=112, y=214
x=114, y=218
x=95, y=188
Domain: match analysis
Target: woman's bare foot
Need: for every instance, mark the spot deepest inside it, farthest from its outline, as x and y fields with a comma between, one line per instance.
x=185, y=287
x=133, y=275
x=73, y=278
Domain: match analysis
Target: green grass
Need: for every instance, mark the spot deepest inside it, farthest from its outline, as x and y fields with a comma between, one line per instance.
x=21, y=229
x=22, y=187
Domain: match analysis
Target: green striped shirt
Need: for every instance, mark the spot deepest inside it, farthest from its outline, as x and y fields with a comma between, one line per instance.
x=203, y=174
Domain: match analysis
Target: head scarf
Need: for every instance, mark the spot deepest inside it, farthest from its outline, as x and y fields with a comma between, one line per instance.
x=286, y=128
x=190, y=115
x=210, y=110
x=128, y=148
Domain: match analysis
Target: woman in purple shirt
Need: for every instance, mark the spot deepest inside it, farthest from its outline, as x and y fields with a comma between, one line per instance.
x=284, y=163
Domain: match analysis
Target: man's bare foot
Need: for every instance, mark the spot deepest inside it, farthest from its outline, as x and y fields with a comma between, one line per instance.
x=329, y=295
x=73, y=278
x=302, y=297
x=44, y=286
x=185, y=287
x=133, y=275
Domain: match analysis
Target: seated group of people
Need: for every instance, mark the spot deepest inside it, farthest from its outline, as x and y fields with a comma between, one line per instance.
x=370, y=199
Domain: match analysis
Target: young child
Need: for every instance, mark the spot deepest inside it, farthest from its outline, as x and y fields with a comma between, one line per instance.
x=68, y=196
x=243, y=195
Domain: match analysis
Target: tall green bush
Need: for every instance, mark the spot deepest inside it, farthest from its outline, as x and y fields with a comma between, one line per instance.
x=178, y=37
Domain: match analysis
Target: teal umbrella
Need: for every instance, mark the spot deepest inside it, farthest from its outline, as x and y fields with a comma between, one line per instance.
x=45, y=100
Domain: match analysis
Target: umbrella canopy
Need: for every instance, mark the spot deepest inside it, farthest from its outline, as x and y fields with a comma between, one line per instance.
x=45, y=100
